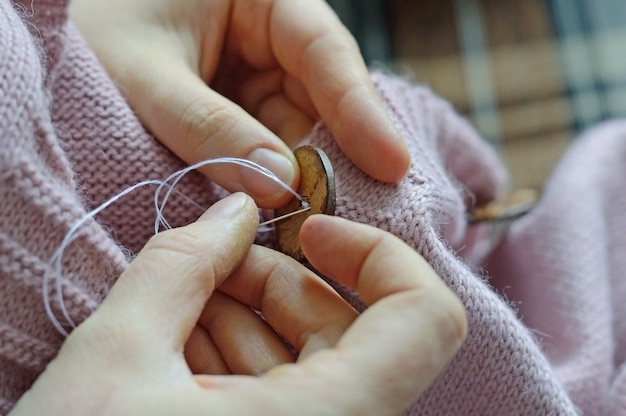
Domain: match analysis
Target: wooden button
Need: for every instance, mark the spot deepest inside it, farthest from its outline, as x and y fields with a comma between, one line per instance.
x=514, y=206
x=317, y=187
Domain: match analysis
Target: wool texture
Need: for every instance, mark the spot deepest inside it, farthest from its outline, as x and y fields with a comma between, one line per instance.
x=544, y=301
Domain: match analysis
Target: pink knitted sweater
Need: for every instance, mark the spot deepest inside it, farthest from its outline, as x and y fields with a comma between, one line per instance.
x=545, y=330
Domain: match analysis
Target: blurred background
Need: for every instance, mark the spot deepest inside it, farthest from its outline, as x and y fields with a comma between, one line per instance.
x=530, y=75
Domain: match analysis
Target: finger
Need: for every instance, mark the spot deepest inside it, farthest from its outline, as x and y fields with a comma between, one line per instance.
x=293, y=300
x=156, y=66
x=325, y=58
x=418, y=322
x=253, y=90
x=297, y=93
x=247, y=343
x=288, y=122
x=278, y=101
x=162, y=293
x=202, y=355
x=197, y=123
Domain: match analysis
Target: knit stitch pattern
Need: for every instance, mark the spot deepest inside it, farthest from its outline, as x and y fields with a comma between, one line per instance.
x=545, y=335
x=500, y=369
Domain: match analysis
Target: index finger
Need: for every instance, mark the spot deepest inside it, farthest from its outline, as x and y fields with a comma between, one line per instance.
x=313, y=46
x=414, y=324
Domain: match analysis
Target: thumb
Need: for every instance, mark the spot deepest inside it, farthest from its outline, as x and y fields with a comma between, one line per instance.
x=163, y=291
x=197, y=123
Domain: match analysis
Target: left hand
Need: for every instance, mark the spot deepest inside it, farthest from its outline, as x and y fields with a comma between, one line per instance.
x=134, y=354
x=233, y=77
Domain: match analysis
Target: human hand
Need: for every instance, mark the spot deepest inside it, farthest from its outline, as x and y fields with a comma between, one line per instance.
x=128, y=357
x=230, y=77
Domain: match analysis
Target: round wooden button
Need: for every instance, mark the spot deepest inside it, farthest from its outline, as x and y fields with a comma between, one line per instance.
x=317, y=187
x=513, y=206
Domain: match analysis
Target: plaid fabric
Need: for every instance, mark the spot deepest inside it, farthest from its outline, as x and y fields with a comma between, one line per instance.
x=592, y=41
x=531, y=74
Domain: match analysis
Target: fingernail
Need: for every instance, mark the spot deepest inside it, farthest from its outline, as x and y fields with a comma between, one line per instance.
x=227, y=208
x=264, y=187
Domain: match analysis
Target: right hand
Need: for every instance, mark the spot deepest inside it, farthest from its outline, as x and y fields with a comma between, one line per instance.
x=129, y=356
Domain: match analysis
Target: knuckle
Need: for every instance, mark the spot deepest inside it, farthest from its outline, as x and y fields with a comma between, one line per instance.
x=444, y=311
x=454, y=323
x=314, y=52
x=204, y=122
x=182, y=251
x=180, y=242
x=458, y=317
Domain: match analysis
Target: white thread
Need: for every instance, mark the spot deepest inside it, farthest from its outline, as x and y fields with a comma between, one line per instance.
x=178, y=175
x=55, y=264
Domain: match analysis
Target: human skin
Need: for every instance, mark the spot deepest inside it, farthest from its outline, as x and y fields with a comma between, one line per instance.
x=129, y=356
x=243, y=78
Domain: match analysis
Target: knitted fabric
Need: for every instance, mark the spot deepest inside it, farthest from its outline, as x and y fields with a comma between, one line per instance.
x=69, y=142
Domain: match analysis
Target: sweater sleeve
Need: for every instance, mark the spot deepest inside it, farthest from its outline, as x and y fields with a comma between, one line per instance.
x=38, y=204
